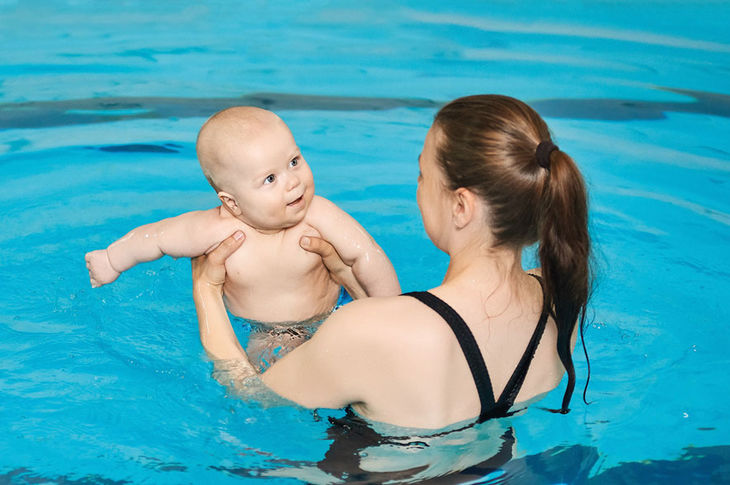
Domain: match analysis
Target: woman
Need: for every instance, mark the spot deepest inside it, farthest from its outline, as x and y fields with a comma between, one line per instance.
x=491, y=182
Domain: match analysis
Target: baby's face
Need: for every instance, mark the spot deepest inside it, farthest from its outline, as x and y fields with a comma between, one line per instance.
x=273, y=184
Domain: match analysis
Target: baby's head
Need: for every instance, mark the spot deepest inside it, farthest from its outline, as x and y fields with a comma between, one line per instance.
x=250, y=158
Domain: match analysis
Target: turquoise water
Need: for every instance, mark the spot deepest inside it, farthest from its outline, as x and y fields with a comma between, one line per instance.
x=99, y=107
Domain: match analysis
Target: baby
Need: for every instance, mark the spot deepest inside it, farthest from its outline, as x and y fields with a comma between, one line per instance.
x=250, y=158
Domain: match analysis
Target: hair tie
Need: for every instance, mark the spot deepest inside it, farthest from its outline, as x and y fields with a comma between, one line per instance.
x=542, y=153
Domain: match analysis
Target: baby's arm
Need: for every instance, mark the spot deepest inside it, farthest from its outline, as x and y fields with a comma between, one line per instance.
x=187, y=235
x=356, y=247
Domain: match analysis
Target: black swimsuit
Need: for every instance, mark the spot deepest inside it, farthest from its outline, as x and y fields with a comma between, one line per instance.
x=352, y=435
x=490, y=407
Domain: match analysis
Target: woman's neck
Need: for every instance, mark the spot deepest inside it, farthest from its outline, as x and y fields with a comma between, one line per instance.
x=481, y=267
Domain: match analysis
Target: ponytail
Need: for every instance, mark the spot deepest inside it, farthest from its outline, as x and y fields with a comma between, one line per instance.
x=564, y=254
x=500, y=148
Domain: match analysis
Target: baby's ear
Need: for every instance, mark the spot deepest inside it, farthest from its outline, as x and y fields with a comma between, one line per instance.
x=230, y=203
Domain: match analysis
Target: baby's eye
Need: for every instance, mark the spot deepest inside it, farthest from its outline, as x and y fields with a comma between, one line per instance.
x=270, y=179
x=294, y=162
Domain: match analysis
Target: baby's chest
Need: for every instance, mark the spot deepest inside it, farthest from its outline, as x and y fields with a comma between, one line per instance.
x=269, y=259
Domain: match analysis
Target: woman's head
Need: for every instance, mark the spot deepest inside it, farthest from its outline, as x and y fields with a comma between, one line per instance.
x=489, y=145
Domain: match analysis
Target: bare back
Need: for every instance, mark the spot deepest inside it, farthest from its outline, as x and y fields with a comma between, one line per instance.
x=434, y=377
x=405, y=365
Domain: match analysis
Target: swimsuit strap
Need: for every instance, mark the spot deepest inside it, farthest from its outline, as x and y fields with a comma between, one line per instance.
x=507, y=399
x=468, y=346
x=490, y=408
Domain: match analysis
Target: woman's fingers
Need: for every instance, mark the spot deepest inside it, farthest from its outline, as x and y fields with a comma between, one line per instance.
x=326, y=251
x=339, y=270
x=226, y=248
x=211, y=268
x=317, y=245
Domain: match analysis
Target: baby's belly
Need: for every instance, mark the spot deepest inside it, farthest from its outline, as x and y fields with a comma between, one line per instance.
x=272, y=279
x=289, y=300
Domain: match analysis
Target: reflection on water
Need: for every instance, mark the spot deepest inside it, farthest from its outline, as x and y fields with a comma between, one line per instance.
x=484, y=453
x=363, y=453
x=571, y=464
x=37, y=114
x=568, y=29
x=608, y=109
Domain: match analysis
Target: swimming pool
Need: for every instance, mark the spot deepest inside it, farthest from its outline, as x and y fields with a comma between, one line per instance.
x=99, y=108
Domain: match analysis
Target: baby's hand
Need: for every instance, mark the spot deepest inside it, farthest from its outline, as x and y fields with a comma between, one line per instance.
x=100, y=269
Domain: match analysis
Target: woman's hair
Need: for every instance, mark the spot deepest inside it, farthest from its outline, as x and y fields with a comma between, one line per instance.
x=489, y=145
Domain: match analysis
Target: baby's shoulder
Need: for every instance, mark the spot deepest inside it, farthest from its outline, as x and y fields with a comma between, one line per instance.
x=213, y=215
x=219, y=216
x=324, y=212
x=216, y=224
x=320, y=204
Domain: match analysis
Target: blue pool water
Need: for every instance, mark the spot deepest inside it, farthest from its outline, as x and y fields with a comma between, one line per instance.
x=100, y=104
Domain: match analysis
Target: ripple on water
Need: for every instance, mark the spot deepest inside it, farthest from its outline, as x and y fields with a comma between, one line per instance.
x=29, y=326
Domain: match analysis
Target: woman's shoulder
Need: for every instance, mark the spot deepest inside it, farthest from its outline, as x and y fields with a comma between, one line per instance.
x=389, y=308
x=376, y=310
x=383, y=321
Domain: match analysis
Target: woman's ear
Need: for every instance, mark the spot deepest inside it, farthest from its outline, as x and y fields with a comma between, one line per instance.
x=464, y=207
x=230, y=203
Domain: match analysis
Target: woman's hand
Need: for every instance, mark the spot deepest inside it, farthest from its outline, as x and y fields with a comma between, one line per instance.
x=210, y=269
x=216, y=333
x=340, y=272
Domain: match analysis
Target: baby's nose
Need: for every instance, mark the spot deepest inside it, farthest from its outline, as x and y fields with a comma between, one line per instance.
x=292, y=182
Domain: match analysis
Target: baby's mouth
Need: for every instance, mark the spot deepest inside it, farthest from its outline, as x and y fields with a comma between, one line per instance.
x=296, y=201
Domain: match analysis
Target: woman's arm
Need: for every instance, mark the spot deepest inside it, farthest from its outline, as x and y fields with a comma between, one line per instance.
x=216, y=332
x=323, y=372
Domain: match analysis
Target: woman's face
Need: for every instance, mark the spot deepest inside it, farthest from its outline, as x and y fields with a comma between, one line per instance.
x=432, y=194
